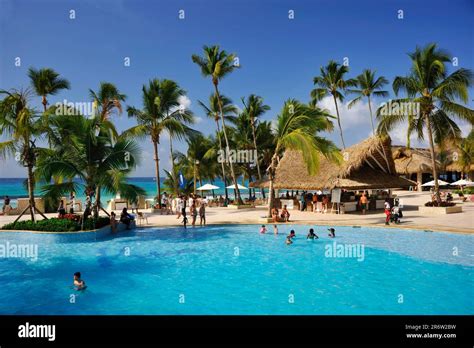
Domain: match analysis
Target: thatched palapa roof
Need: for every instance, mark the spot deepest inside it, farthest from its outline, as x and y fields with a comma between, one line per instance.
x=456, y=167
x=411, y=160
x=367, y=165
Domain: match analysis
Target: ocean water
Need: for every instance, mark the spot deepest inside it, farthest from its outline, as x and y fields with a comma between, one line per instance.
x=15, y=188
x=233, y=269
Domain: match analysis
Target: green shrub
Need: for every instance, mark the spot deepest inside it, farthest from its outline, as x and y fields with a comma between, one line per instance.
x=57, y=225
x=91, y=224
x=467, y=190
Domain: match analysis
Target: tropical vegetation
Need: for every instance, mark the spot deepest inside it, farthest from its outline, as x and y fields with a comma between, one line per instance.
x=87, y=153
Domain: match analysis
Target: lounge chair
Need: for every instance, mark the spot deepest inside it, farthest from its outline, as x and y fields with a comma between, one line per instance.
x=142, y=217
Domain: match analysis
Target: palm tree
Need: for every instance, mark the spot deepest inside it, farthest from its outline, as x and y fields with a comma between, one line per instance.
x=160, y=113
x=92, y=156
x=46, y=82
x=171, y=182
x=266, y=144
x=367, y=86
x=242, y=138
x=170, y=98
x=255, y=108
x=212, y=111
x=195, y=158
x=435, y=92
x=331, y=82
x=22, y=125
x=108, y=100
x=297, y=128
x=217, y=64
x=465, y=157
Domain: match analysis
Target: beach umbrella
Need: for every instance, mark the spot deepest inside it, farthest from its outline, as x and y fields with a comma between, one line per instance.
x=208, y=187
x=431, y=183
x=462, y=182
x=239, y=186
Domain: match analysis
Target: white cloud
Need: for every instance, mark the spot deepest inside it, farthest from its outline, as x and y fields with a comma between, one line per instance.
x=465, y=128
x=185, y=102
x=355, y=116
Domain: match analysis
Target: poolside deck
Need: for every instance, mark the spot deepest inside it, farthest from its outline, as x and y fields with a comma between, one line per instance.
x=413, y=219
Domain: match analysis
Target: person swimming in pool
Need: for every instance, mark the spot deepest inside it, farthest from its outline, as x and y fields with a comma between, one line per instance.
x=275, y=229
x=263, y=229
x=332, y=232
x=288, y=240
x=311, y=234
x=78, y=282
x=292, y=234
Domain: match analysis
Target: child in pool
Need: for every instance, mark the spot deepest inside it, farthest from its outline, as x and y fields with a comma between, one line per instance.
x=263, y=229
x=78, y=282
x=275, y=229
x=311, y=234
x=292, y=234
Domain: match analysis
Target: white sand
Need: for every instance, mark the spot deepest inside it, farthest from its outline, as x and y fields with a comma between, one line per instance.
x=459, y=222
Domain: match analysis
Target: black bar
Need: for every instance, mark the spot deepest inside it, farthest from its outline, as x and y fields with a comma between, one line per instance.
x=288, y=330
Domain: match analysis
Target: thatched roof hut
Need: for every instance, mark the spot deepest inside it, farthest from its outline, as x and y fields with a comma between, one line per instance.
x=418, y=160
x=411, y=160
x=264, y=183
x=456, y=167
x=367, y=165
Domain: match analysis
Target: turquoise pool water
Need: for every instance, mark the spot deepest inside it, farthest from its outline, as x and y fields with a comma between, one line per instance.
x=228, y=269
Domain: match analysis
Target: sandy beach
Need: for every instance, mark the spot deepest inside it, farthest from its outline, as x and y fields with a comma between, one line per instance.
x=413, y=219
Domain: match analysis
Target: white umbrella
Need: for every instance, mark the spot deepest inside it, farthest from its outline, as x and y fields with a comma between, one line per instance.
x=431, y=183
x=462, y=182
x=207, y=187
x=238, y=185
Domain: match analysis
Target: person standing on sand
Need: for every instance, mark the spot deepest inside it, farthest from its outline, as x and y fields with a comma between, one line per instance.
x=72, y=202
x=325, y=203
x=387, y=211
x=194, y=212
x=315, y=203
x=6, y=205
x=202, y=213
x=179, y=206
x=363, y=203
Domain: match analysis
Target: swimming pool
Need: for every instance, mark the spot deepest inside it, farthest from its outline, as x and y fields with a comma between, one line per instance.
x=232, y=269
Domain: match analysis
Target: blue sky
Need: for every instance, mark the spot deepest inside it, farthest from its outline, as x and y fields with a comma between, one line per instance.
x=279, y=56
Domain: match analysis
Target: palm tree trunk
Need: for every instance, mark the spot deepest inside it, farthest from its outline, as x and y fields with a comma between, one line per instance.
x=371, y=116
x=176, y=191
x=157, y=172
x=339, y=122
x=252, y=122
x=213, y=193
x=234, y=179
x=97, y=202
x=222, y=162
x=271, y=197
x=409, y=131
x=31, y=191
x=194, y=176
x=433, y=157
x=44, y=102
